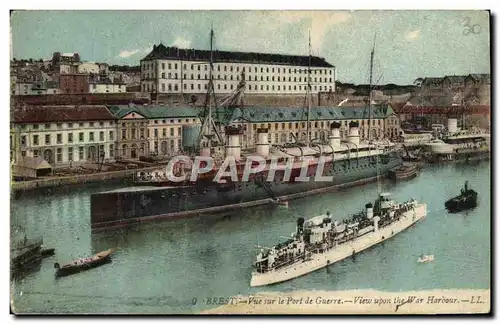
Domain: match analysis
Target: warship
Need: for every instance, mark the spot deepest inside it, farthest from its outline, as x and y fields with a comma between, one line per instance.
x=155, y=195
x=321, y=241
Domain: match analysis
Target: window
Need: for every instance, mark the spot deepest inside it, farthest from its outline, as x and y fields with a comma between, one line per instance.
x=47, y=139
x=142, y=133
x=133, y=133
x=169, y=65
x=164, y=133
x=156, y=132
x=176, y=88
x=91, y=124
x=110, y=135
x=112, y=149
x=47, y=126
x=35, y=153
x=169, y=87
x=59, y=138
x=59, y=154
x=171, y=132
x=101, y=136
x=175, y=66
x=163, y=75
x=176, y=75
x=124, y=134
x=59, y=125
x=70, y=137
x=91, y=136
x=169, y=75
x=80, y=153
x=23, y=140
x=35, y=139
x=192, y=86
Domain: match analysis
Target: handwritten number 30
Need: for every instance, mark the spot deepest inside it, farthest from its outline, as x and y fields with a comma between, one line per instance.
x=474, y=29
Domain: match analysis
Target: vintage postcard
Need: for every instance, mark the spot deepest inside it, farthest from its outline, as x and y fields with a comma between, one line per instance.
x=250, y=162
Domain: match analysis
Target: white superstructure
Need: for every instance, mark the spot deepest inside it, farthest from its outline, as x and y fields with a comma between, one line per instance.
x=457, y=140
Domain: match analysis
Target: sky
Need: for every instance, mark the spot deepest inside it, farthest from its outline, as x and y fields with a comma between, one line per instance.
x=408, y=44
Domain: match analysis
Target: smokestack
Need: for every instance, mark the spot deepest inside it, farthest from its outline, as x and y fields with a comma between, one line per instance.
x=334, y=134
x=369, y=210
x=354, y=133
x=233, y=147
x=262, y=146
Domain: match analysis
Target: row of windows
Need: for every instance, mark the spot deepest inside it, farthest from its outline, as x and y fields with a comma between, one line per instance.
x=70, y=138
x=249, y=78
x=225, y=68
x=69, y=125
x=316, y=124
x=175, y=87
x=90, y=153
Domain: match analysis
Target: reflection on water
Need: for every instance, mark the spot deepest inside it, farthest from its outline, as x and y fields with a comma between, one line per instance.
x=161, y=267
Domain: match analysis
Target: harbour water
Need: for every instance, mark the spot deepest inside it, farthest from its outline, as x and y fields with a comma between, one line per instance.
x=173, y=267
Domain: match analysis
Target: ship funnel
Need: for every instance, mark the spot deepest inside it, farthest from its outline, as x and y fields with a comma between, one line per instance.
x=300, y=225
x=452, y=125
x=233, y=147
x=262, y=147
x=354, y=133
x=369, y=210
x=334, y=134
x=205, y=151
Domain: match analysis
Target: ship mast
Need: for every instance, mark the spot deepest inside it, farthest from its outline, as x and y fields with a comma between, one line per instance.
x=308, y=93
x=370, y=93
x=208, y=127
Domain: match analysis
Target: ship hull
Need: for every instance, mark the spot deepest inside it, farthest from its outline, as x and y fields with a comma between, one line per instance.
x=130, y=205
x=340, y=252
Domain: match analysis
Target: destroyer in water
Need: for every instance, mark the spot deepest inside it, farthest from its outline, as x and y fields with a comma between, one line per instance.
x=321, y=241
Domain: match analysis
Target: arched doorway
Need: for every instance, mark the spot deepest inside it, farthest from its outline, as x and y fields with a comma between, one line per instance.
x=133, y=151
x=124, y=150
x=92, y=155
x=48, y=155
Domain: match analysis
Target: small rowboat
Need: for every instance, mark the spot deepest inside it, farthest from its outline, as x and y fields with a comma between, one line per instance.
x=426, y=258
x=84, y=264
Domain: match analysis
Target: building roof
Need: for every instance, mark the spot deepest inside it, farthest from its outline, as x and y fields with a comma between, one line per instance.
x=455, y=79
x=37, y=163
x=51, y=114
x=434, y=81
x=154, y=111
x=272, y=114
x=481, y=77
x=163, y=52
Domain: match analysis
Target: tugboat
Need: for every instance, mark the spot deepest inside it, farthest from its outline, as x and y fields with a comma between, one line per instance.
x=466, y=200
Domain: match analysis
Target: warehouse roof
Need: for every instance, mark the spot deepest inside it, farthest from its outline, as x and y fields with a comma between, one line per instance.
x=154, y=111
x=268, y=114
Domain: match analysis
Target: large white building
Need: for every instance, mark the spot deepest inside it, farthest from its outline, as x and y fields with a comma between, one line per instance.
x=175, y=70
x=64, y=135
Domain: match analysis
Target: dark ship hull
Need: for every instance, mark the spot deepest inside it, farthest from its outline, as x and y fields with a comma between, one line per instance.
x=137, y=204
